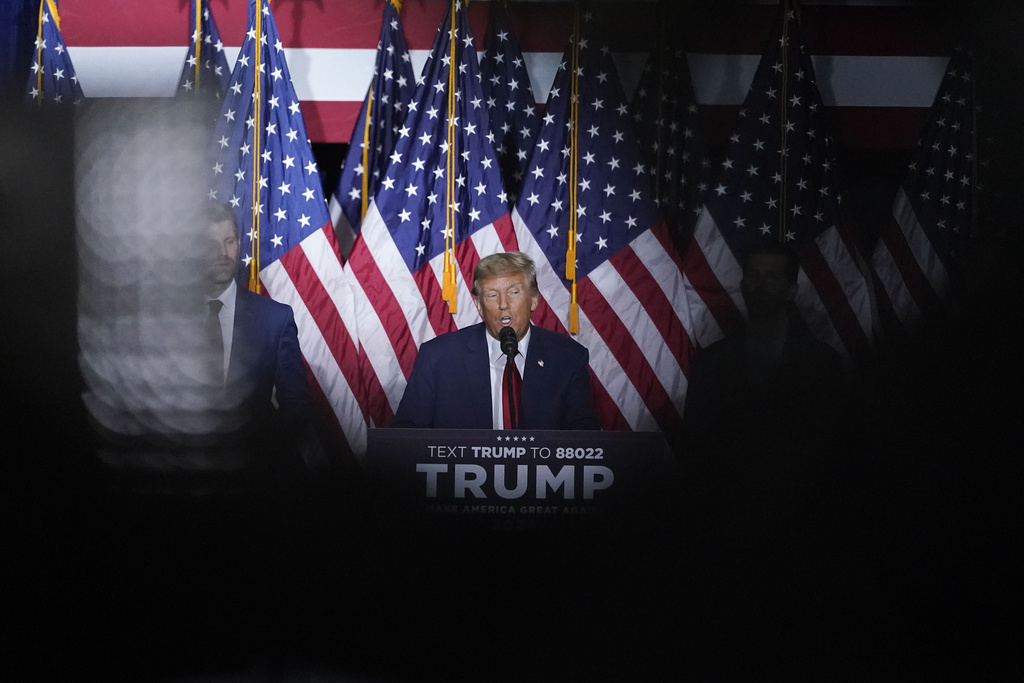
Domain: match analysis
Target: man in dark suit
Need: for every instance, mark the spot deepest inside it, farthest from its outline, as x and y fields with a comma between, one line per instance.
x=763, y=460
x=255, y=357
x=457, y=381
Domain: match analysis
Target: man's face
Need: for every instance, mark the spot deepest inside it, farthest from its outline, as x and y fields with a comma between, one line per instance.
x=222, y=254
x=765, y=286
x=506, y=301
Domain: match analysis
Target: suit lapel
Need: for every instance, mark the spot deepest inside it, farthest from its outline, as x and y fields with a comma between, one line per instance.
x=241, y=336
x=534, y=374
x=478, y=376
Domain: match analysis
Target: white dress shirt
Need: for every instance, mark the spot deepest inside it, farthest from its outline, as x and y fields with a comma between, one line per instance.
x=497, y=361
x=227, y=320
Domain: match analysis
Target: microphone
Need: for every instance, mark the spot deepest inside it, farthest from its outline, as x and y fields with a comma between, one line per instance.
x=508, y=340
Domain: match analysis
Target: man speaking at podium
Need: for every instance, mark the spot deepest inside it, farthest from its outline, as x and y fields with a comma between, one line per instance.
x=503, y=373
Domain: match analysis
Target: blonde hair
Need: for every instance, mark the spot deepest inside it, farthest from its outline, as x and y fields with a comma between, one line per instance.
x=502, y=264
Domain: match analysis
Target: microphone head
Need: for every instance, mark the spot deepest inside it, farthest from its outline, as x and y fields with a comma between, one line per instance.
x=508, y=340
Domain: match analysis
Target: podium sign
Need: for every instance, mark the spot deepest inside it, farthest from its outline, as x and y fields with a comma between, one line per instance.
x=516, y=472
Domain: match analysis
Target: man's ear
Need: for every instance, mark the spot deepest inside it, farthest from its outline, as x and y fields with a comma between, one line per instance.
x=479, y=308
x=534, y=301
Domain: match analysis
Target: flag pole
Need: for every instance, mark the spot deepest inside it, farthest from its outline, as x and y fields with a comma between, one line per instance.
x=661, y=65
x=570, y=251
x=783, y=121
x=39, y=46
x=366, y=155
x=449, y=291
x=196, y=37
x=972, y=72
x=257, y=172
x=39, y=58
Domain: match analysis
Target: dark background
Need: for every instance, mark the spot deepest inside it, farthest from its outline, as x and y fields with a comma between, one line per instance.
x=112, y=575
x=330, y=579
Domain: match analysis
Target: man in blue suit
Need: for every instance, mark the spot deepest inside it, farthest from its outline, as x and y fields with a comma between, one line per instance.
x=457, y=380
x=255, y=358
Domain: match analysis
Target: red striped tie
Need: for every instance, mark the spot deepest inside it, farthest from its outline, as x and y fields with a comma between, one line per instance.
x=510, y=418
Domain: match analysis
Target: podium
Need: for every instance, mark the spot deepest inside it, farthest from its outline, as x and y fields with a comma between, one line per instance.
x=519, y=473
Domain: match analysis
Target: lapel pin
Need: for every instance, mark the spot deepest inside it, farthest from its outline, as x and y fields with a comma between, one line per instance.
x=540, y=363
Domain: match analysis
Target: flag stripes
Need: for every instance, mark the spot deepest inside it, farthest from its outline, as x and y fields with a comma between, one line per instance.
x=337, y=42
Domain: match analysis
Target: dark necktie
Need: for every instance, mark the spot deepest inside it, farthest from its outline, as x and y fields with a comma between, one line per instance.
x=511, y=377
x=216, y=341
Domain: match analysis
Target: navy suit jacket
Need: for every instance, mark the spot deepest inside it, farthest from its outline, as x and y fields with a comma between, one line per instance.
x=265, y=358
x=450, y=385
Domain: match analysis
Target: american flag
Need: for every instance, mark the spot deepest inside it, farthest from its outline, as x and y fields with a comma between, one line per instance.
x=632, y=308
x=206, y=68
x=513, y=111
x=376, y=128
x=288, y=243
x=443, y=187
x=52, y=80
x=879, y=63
x=777, y=182
x=933, y=213
x=668, y=123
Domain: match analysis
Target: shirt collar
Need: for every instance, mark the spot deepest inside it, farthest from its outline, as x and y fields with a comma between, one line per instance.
x=228, y=297
x=494, y=353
